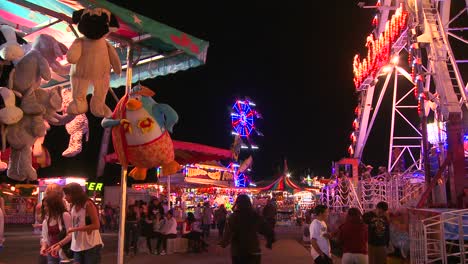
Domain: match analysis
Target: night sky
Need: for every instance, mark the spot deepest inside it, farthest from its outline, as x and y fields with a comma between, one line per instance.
x=292, y=58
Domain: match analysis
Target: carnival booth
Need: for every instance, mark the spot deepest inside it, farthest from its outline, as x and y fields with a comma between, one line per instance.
x=135, y=43
x=20, y=200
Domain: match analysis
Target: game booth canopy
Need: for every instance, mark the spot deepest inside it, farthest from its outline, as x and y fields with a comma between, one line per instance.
x=142, y=45
x=159, y=49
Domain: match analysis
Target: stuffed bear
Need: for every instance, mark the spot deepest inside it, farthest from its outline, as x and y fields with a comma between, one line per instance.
x=34, y=67
x=22, y=135
x=9, y=113
x=76, y=128
x=92, y=57
x=10, y=50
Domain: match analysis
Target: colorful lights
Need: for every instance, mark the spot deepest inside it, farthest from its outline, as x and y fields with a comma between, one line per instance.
x=436, y=133
x=378, y=50
x=242, y=118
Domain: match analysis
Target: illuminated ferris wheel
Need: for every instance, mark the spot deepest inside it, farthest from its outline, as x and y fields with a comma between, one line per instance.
x=415, y=54
x=243, y=118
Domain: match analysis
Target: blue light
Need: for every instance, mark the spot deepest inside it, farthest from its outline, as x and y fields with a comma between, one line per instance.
x=242, y=118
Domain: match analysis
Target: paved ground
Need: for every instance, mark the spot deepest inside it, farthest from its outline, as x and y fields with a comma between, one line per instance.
x=22, y=247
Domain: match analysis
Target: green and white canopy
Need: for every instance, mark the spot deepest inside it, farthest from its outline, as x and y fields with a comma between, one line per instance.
x=159, y=49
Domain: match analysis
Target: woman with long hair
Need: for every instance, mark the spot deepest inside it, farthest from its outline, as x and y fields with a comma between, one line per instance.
x=56, y=219
x=192, y=231
x=86, y=239
x=353, y=235
x=241, y=231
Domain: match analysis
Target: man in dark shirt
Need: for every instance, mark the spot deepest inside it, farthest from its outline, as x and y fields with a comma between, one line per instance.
x=379, y=235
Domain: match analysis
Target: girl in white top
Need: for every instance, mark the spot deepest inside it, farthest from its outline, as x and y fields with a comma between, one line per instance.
x=169, y=230
x=86, y=239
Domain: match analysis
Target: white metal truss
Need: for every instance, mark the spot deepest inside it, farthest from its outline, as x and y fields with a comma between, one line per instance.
x=440, y=238
x=440, y=72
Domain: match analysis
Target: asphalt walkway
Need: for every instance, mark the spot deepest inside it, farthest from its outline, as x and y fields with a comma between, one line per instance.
x=22, y=247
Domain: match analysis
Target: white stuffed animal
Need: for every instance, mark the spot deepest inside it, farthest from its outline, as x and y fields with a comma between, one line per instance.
x=9, y=114
x=92, y=58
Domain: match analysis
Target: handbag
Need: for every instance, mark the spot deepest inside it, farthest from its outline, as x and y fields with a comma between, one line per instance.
x=63, y=233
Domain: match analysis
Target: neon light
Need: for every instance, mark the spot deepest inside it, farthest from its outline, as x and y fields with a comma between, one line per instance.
x=378, y=50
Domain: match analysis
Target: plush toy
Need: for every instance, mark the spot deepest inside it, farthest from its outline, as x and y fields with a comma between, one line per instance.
x=10, y=50
x=22, y=135
x=140, y=133
x=76, y=128
x=34, y=67
x=92, y=57
x=9, y=114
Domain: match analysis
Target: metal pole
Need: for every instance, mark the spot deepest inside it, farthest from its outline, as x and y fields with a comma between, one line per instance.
x=123, y=179
x=392, y=126
x=168, y=191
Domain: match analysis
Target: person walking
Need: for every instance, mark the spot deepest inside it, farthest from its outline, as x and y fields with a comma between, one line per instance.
x=241, y=232
x=86, y=239
x=270, y=211
x=320, y=237
x=206, y=219
x=379, y=235
x=353, y=235
x=220, y=219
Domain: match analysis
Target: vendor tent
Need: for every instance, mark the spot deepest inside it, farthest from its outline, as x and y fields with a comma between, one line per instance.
x=282, y=184
x=159, y=49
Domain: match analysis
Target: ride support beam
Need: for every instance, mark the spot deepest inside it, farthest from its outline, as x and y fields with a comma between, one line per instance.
x=455, y=151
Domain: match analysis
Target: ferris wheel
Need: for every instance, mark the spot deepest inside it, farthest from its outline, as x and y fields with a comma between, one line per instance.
x=416, y=54
x=243, y=118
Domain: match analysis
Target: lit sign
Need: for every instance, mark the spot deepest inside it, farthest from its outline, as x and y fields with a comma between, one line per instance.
x=94, y=186
x=213, y=172
x=378, y=50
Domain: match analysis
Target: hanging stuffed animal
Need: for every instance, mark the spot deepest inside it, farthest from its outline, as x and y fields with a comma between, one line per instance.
x=76, y=128
x=22, y=135
x=34, y=67
x=140, y=133
x=29, y=72
x=10, y=51
x=9, y=114
x=92, y=57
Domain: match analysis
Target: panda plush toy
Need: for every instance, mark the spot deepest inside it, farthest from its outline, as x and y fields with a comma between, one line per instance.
x=10, y=51
x=92, y=57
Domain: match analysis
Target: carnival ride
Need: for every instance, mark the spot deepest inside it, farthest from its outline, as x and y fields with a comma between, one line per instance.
x=426, y=165
x=243, y=118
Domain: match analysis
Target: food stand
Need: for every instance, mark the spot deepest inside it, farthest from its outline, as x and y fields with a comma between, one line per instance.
x=20, y=200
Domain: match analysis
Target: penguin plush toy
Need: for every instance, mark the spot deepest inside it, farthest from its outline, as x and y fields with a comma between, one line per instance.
x=140, y=133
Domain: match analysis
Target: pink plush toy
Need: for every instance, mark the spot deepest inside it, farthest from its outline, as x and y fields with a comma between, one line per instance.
x=76, y=128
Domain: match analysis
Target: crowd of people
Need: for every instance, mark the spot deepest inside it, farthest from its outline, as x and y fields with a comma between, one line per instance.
x=157, y=224
x=360, y=239
x=71, y=224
